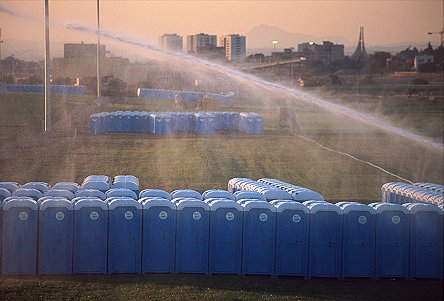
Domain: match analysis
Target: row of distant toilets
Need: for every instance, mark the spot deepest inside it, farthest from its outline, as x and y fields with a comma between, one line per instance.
x=218, y=232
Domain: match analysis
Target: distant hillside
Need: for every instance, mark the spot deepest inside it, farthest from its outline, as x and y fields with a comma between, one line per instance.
x=261, y=36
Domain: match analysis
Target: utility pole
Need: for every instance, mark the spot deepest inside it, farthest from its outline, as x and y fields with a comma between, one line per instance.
x=1, y=68
x=47, y=72
x=98, y=49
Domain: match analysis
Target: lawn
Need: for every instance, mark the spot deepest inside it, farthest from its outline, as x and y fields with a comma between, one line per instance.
x=70, y=153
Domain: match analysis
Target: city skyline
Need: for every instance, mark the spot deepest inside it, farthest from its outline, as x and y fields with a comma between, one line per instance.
x=386, y=22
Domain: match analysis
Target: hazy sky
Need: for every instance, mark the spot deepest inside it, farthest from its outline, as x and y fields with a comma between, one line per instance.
x=385, y=21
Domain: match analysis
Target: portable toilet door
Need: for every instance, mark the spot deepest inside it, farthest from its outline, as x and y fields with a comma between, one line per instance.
x=358, y=248
x=125, y=236
x=426, y=241
x=55, y=237
x=192, y=237
x=225, y=252
x=325, y=240
x=392, y=238
x=259, y=233
x=90, y=236
x=19, y=237
x=292, y=223
x=159, y=236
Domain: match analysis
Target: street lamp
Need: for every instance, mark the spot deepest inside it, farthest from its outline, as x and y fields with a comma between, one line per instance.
x=275, y=42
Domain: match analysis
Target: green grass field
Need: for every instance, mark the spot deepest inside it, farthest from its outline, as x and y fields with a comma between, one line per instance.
x=69, y=153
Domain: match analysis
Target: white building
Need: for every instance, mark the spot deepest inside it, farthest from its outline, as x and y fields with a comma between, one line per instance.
x=200, y=41
x=235, y=47
x=421, y=60
x=172, y=42
x=327, y=52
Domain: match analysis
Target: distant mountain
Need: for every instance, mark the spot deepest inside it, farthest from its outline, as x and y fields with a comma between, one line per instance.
x=261, y=36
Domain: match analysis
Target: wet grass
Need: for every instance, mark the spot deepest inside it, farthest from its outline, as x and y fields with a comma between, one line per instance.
x=216, y=287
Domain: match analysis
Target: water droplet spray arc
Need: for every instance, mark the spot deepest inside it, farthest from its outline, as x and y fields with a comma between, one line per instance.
x=300, y=95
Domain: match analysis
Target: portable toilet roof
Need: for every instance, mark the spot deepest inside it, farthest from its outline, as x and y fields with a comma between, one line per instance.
x=42, y=186
x=216, y=193
x=56, y=203
x=11, y=186
x=188, y=193
x=90, y=193
x=98, y=178
x=60, y=193
x=4, y=193
x=315, y=207
x=192, y=203
x=122, y=202
x=54, y=198
x=98, y=185
x=20, y=202
x=305, y=195
x=275, y=202
x=90, y=203
x=71, y=186
x=210, y=200
x=155, y=193
x=86, y=198
x=113, y=198
x=121, y=192
x=249, y=195
x=346, y=208
x=290, y=205
x=158, y=202
x=254, y=204
x=30, y=192
x=216, y=204
x=382, y=207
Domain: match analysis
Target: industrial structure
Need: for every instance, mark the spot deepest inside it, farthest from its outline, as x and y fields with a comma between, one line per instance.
x=360, y=54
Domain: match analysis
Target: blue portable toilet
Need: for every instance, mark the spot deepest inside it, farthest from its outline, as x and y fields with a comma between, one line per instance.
x=126, y=181
x=90, y=236
x=186, y=193
x=70, y=186
x=159, y=235
x=216, y=193
x=41, y=186
x=325, y=240
x=358, y=248
x=11, y=186
x=259, y=235
x=192, y=237
x=4, y=193
x=239, y=195
x=292, y=224
x=392, y=240
x=225, y=250
x=125, y=236
x=90, y=193
x=19, y=236
x=154, y=193
x=55, y=237
x=121, y=192
x=28, y=192
x=60, y=193
x=94, y=124
x=426, y=241
x=204, y=123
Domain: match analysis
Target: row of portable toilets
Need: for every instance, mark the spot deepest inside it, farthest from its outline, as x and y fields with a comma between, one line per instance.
x=113, y=227
x=400, y=193
x=165, y=123
x=54, y=89
x=189, y=96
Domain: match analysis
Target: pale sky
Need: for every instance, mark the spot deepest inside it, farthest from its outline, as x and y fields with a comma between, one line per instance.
x=385, y=22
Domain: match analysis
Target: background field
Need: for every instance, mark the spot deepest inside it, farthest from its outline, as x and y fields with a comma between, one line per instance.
x=69, y=153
